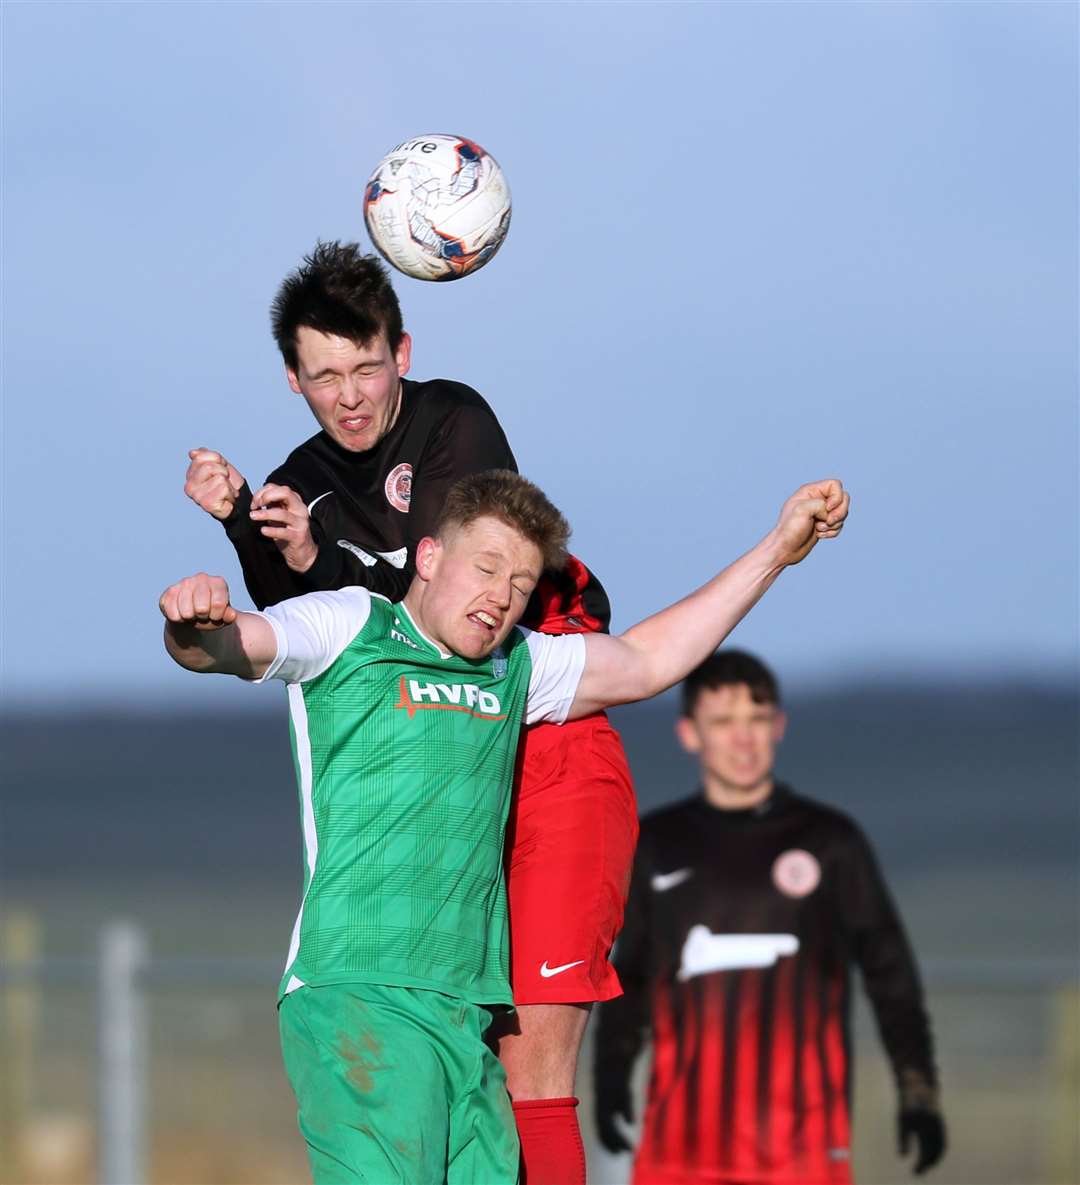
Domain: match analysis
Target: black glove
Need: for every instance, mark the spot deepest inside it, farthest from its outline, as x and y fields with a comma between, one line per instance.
x=928, y=1129
x=613, y=1099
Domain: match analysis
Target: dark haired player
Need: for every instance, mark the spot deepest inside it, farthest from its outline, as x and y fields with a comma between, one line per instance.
x=749, y=906
x=348, y=507
x=349, y=504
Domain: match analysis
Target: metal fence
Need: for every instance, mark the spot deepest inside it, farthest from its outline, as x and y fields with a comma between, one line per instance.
x=131, y=1069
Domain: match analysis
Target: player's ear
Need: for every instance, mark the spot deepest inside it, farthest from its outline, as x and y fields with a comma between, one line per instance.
x=779, y=727
x=403, y=354
x=293, y=381
x=687, y=732
x=427, y=551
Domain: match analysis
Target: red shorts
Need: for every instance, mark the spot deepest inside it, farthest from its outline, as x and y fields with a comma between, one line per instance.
x=569, y=848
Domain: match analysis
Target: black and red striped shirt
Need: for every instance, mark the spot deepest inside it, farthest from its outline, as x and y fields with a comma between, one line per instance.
x=742, y=930
x=368, y=510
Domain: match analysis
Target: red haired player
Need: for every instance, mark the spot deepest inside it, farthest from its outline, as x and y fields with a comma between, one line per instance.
x=348, y=507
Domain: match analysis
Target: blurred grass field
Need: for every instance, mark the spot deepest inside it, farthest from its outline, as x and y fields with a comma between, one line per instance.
x=970, y=796
x=220, y=1111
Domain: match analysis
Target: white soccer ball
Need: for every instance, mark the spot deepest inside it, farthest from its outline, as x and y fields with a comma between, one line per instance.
x=437, y=207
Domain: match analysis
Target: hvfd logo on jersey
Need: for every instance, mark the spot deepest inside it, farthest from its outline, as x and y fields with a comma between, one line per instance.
x=399, y=487
x=417, y=695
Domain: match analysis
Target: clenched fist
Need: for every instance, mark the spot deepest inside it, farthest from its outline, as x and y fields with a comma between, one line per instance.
x=212, y=482
x=282, y=516
x=199, y=600
x=815, y=511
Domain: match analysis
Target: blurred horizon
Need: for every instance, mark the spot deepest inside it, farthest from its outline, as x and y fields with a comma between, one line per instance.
x=197, y=694
x=160, y=789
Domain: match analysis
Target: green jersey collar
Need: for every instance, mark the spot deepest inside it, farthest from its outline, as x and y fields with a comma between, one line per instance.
x=400, y=608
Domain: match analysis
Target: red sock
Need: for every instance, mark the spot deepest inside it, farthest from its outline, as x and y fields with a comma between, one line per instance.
x=551, y=1148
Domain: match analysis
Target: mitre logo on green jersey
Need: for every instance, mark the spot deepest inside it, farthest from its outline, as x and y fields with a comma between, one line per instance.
x=398, y=636
x=417, y=695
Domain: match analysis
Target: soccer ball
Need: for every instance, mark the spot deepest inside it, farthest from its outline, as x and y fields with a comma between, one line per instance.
x=437, y=207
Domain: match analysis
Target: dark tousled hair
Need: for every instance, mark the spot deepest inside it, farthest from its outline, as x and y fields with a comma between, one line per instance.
x=728, y=668
x=505, y=495
x=339, y=290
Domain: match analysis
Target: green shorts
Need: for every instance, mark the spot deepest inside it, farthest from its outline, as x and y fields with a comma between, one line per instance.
x=395, y=1085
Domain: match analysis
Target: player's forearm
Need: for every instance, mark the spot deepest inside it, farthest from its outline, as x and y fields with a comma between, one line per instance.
x=616, y=1050
x=666, y=647
x=231, y=650
x=382, y=578
x=906, y=1035
x=267, y=577
x=622, y=1028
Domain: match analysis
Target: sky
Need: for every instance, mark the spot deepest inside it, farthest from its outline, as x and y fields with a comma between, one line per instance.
x=752, y=245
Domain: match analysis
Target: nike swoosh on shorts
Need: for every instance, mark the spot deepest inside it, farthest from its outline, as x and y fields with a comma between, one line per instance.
x=547, y=972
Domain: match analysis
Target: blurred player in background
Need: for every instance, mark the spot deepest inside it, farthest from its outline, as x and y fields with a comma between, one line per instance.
x=749, y=905
x=348, y=507
x=405, y=724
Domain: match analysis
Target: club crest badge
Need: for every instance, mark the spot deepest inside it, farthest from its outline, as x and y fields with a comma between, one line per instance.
x=796, y=873
x=399, y=487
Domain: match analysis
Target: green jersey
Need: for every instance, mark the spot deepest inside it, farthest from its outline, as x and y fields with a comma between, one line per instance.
x=405, y=759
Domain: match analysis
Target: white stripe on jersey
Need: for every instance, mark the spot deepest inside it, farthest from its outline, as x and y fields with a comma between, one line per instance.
x=298, y=711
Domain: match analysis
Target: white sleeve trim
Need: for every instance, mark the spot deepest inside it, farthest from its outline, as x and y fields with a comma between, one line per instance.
x=557, y=666
x=313, y=630
x=282, y=647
